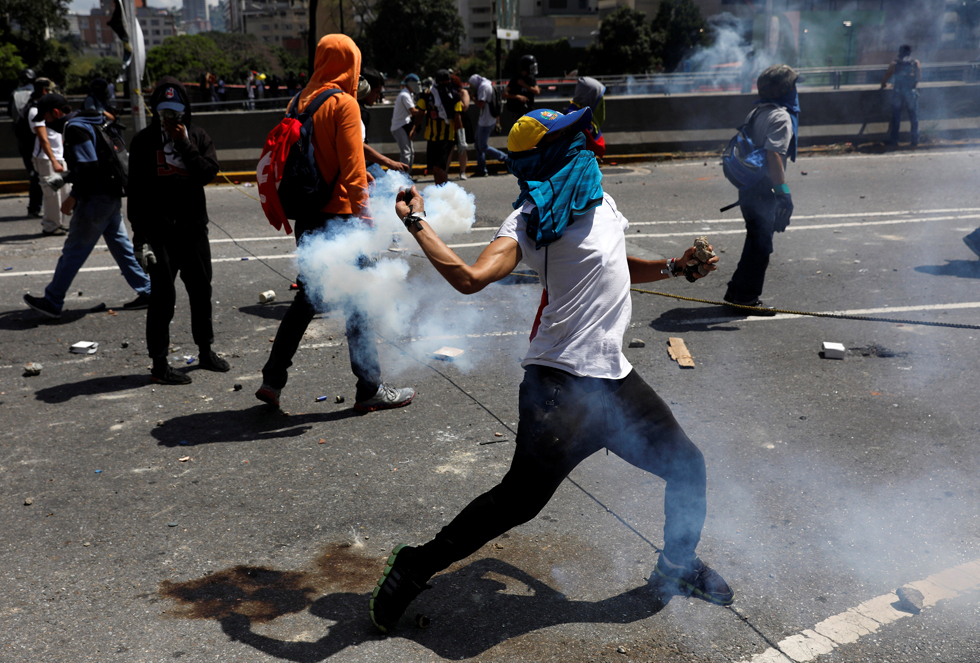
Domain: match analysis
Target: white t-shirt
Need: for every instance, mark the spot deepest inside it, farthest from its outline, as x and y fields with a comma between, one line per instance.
x=588, y=283
x=54, y=138
x=402, y=113
x=485, y=94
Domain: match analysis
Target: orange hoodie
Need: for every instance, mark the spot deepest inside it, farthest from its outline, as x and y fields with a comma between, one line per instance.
x=337, y=144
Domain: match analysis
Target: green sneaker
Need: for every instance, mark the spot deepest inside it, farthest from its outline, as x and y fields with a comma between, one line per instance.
x=697, y=579
x=397, y=587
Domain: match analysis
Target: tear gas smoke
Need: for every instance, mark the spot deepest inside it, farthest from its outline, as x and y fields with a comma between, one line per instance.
x=343, y=269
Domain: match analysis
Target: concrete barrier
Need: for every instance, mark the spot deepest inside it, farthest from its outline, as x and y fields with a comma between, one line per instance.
x=635, y=124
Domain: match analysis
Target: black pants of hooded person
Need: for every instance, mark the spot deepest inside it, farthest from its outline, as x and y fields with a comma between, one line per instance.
x=563, y=420
x=191, y=258
x=360, y=339
x=758, y=206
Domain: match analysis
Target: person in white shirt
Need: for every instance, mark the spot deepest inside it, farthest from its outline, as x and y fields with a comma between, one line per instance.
x=580, y=393
x=48, y=158
x=402, y=119
x=483, y=93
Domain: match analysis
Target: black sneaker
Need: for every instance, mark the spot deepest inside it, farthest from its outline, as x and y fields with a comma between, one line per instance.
x=397, y=587
x=212, y=362
x=754, y=307
x=170, y=375
x=268, y=394
x=42, y=306
x=696, y=578
x=141, y=302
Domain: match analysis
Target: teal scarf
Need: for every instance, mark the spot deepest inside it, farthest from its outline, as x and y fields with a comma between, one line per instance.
x=563, y=181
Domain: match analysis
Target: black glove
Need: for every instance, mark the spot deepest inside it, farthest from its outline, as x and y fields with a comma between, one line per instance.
x=784, y=210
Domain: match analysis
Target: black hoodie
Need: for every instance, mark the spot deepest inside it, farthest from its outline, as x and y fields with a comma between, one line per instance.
x=167, y=178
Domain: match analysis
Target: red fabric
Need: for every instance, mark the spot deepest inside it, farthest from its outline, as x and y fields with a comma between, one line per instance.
x=537, y=318
x=269, y=170
x=595, y=145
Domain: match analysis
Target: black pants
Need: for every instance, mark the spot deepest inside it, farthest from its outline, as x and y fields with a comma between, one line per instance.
x=360, y=339
x=758, y=206
x=563, y=420
x=191, y=258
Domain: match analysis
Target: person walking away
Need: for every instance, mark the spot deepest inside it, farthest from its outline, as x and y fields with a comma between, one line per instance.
x=579, y=393
x=482, y=91
x=48, y=158
x=339, y=153
x=465, y=130
x=767, y=206
x=402, y=123
x=95, y=205
x=170, y=163
x=440, y=109
x=21, y=100
x=905, y=74
x=98, y=99
x=523, y=87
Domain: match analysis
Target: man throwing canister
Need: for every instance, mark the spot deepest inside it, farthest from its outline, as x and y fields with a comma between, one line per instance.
x=580, y=393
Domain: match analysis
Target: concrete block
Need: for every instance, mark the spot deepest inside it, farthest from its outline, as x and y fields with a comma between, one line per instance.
x=833, y=350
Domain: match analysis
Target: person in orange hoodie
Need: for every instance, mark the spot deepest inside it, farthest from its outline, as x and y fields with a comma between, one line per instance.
x=339, y=153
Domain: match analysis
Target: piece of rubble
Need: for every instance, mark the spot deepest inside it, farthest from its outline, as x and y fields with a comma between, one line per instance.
x=446, y=353
x=678, y=351
x=28, y=501
x=33, y=368
x=702, y=254
x=184, y=459
x=833, y=350
x=637, y=343
x=910, y=600
x=238, y=387
x=84, y=348
x=125, y=344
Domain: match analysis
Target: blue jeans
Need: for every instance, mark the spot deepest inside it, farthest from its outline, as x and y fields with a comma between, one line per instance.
x=94, y=217
x=759, y=211
x=909, y=100
x=564, y=419
x=483, y=148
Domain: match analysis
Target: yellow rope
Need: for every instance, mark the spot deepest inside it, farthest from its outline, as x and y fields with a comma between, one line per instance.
x=239, y=187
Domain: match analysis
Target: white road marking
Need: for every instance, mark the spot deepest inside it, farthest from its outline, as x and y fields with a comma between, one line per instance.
x=868, y=617
x=877, y=312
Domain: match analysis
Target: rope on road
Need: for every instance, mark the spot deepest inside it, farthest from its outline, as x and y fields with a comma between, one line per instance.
x=755, y=310
x=239, y=187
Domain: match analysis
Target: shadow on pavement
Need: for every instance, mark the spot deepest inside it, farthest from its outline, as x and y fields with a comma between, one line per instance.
x=257, y=423
x=25, y=318
x=472, y=608
x=19, y=238
x=966, y=269
x=683, y=319
x=274, y=311
x=63, y=393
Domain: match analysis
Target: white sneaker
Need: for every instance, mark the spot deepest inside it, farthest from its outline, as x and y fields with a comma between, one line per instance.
x=386, y=398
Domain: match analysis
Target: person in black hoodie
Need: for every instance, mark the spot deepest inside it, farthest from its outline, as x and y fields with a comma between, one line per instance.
x=170, y=163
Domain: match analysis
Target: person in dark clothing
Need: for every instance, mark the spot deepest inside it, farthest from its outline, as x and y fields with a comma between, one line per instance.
x=905, y=74
x=21, y=101
x=522, y=89
x=98, y=99
x=170, y=163
x=95, y=204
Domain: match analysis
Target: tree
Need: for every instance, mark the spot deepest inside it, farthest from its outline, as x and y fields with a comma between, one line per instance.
x=405, y=30
x=186, y=58
x=10, y=63
x=33, y=19
x=625, y=44
x=677, y=28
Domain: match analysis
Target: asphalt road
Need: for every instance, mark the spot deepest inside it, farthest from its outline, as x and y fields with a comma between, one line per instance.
x=192, y=523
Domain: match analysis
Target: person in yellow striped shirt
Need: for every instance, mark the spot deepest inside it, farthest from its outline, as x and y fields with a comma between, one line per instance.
x=442, y=114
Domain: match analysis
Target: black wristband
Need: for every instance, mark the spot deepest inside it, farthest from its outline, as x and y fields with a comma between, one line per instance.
x=413, y=220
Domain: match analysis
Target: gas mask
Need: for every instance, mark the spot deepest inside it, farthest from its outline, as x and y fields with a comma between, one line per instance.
x=170, y=115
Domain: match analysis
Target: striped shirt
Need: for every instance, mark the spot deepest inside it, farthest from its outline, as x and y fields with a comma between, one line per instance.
x=435, y=127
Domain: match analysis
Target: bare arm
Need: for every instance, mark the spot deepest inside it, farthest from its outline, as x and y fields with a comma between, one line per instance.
x=497, y=260
x=371, y=155
x=888, y=75
x=918, y=71
x=648, y=271
x=42, y=138
x=776, y=171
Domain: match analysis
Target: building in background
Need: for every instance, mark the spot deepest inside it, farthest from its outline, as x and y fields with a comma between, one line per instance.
x=195, y=17
x=218, y=15
x=278, y=22
x=93, y=29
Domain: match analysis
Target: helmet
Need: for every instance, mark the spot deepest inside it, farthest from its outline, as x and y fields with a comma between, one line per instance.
x=27, y=76
x=530, y=64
